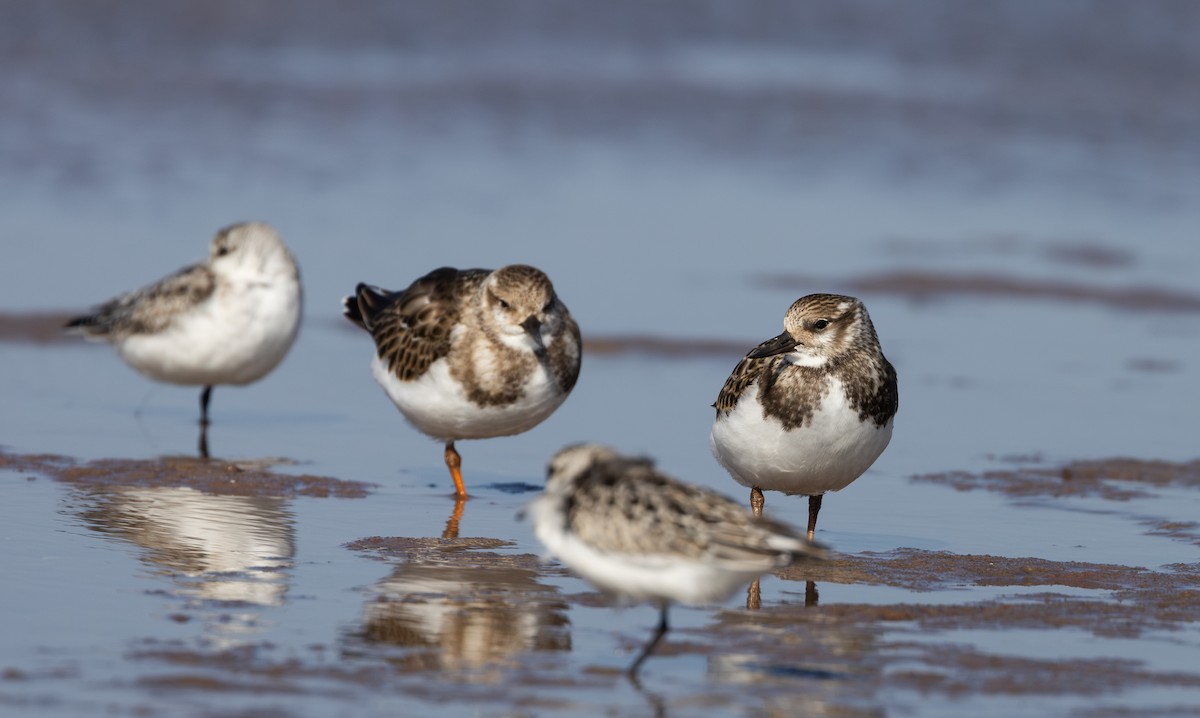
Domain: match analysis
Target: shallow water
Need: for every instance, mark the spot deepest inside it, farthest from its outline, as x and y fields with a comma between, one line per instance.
x=1009, y=189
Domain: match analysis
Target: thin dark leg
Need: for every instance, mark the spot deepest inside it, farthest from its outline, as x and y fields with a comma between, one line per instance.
x=658, y=634
x=204, y=397
x=756, y=501
x=657, y=704
x=204, y=441
x=810, y=594
x=814, y=508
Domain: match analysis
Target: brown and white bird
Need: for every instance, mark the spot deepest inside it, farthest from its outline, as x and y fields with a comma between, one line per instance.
x=471, y=353
x=640, y=535
x=811, y=409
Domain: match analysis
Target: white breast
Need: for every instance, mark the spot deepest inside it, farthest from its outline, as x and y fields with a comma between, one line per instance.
x=642, y=577
x=236, y=336
x=437, y=404
x=828, y=453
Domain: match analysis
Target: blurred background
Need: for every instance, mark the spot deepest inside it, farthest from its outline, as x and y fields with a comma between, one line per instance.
x=1012, y=188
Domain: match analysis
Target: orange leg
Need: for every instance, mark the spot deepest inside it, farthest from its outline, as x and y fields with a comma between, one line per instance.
x=454, y=463
x=451, y=531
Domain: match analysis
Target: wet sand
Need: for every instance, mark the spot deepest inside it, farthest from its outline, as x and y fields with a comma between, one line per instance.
x=918, y=285
x=499, y=614
x=216, y=477
x=34, y=327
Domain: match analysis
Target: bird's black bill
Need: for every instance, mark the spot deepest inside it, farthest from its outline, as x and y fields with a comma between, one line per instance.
x=533, y=327
x=775, y=345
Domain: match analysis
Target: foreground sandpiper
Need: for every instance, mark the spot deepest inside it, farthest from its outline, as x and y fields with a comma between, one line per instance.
x=811, y=409
x=471, y=353
x=229, y=320
x=643, y=536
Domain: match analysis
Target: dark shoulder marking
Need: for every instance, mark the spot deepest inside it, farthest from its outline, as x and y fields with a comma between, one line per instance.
x=791, y=393
x=871, y=388
x=566, y=354
x=742, y=376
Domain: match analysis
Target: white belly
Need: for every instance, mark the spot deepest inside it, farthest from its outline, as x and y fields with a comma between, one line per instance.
x=233, y=338
x=438, y=406
x=824, y=455
x=654, y=578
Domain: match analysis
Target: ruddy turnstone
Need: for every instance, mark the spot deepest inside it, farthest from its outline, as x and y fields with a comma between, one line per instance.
x=643, y=536
x=810, y=410
x=471, y=353
x=229, y=320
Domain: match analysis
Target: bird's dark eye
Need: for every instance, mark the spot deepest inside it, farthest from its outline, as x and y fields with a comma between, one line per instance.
x=820, y=324
x=503, y=304
x=549, y=306
x=222, y=250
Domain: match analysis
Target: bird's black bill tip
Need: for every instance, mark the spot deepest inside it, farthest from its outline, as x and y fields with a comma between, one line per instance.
x=780, y=344
x=533, y=327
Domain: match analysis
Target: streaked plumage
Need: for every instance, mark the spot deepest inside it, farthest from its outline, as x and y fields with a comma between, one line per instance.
x=471, y=354
x=811, y=409
x=229, y=320
x=644, y=536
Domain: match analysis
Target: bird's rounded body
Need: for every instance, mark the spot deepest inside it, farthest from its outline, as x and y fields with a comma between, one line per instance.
x=829, y=453
x=643, y=536
x=229, y=320
x=236, y=337
x=438, y=406
x=471, y=353
x=652, y=578
x=810, y=410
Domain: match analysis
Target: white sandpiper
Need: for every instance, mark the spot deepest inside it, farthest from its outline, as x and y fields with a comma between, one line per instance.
x=643, y=536
x=228, y=320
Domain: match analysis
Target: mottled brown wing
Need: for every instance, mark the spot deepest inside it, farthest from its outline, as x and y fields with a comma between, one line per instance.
x=745, y=538
x=607, y=510
x=725, y=532
x=565, y=364
x=742, y=376
x=412, y=328
x=626, y=507
x=150, y=309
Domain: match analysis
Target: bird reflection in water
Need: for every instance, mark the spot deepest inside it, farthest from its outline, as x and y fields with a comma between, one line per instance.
x=468, y=621
x=211, y=548
x=801, y=664
x=754, y=594
x=451, y=530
